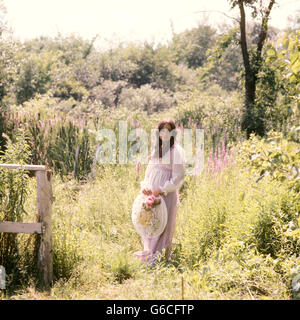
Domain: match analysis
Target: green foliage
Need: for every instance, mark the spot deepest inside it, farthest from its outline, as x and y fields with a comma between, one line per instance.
x=277, y=228
x=108, y=93
x=65, y=249
x=145, y=99
x=8, y=70
x=70, y=151
x=215, y=111
x=247, y=3
x=115, y=65
x=236, y=270
x=13, y=194
x=285, y=59
x=13, y=182
x=66, y=148
x=224, y=62
x=278, y=84
x=39, y=139
x=244, y=238
x=190, y=46
x=154, y=66
x=33, y=74
x=273, y=156
x=237, y=230
x=70, y=48
x=218, y=244
x=121, y=267
x=267, y=92
x=65, y=84
x=81, y=79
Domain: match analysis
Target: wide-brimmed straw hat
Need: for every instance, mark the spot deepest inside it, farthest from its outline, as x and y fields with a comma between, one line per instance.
x=149, y=223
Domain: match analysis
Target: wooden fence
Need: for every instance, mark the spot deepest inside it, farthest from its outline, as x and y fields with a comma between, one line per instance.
x=43, y=226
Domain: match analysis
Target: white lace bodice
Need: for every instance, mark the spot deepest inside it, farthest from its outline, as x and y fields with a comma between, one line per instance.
x=174, y=161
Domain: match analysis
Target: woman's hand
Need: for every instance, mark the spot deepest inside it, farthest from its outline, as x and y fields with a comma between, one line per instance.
x=147, y=191
x=157, y=192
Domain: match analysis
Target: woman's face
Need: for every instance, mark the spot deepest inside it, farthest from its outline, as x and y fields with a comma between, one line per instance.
x=165, y=132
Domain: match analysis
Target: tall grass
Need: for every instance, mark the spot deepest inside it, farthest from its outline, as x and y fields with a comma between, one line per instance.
x=13, y=196
x=216, y=247
x=237, y=229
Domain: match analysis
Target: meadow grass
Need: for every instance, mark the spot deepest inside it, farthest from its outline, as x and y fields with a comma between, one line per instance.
x=216, y=247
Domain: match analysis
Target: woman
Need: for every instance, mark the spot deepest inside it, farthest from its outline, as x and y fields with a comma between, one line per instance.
x=164, y=176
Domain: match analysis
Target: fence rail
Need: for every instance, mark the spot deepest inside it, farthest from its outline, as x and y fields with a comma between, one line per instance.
x=43, y=226
x=21, y=227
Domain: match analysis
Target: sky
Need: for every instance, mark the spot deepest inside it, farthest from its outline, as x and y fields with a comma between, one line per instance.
x=124, y=20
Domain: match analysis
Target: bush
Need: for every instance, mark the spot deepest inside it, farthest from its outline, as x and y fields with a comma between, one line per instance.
x=218, y=113
x=275, y=156
x=69, y=151
x=114, y=66
x=108, y=93
x=284, y=74
x=277, y=160
x=34, y=75
x=145, y=99
x=262, y=216
x=13, y=194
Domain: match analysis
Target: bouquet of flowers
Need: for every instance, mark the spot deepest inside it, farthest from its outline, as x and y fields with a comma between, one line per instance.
x=149, y=215
x=151, y=202
x=146, y=215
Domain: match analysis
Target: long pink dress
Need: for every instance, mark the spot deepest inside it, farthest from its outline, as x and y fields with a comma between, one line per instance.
x=167, y=173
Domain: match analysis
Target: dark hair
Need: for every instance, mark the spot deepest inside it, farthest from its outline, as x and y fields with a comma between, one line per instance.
x=159, y=149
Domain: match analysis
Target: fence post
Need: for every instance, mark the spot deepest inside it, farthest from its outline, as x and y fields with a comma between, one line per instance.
x=44, y=210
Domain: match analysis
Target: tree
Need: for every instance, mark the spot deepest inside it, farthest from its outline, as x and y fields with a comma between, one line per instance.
x=252, y=121
x=7, y=51
x=190, y=46
x=294, y=21
x=224, y=62
x=285, y=60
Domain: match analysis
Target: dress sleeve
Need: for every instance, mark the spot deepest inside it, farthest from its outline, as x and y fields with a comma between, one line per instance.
x=178, y=173
x=144, y=183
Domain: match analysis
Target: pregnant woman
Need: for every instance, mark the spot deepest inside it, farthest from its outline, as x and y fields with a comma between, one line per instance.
x=164, y=176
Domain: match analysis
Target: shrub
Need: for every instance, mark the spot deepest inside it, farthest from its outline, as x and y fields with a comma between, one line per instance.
x=275, y=159
x=13, y=194
x=275, y=156
x=218, y=113
x=69, y=152
x=108, y=93
x=114, y=66
x=145, y=99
